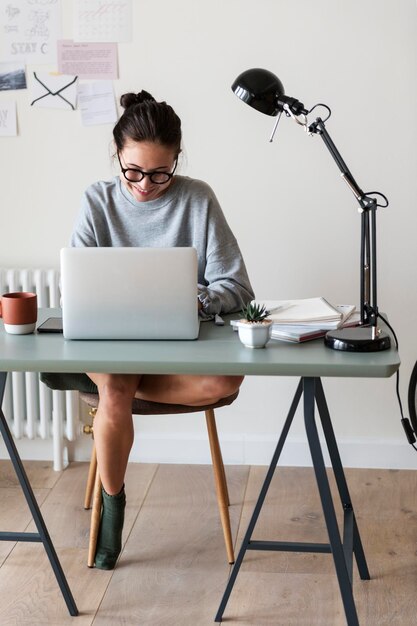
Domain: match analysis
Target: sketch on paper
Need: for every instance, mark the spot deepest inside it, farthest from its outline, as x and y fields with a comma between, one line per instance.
x=52, y=91
x=103, y=20
x=29, y=30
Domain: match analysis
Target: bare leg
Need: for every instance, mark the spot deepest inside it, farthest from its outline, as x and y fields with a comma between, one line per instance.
x=113, y=427
x=187, y=389
x=113, y=435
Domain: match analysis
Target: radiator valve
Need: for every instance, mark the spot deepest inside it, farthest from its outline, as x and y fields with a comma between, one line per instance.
x=88, y=429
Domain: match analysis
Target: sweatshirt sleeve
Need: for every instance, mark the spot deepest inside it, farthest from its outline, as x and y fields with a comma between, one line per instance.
x=83, y=234
x=226, y=287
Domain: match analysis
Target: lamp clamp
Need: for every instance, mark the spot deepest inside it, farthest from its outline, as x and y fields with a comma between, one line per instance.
x=291, y=105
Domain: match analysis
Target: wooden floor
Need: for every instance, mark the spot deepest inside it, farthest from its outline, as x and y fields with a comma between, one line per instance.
x=173, y=568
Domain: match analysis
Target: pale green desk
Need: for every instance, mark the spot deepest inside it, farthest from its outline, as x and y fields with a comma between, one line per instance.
x=217, y=351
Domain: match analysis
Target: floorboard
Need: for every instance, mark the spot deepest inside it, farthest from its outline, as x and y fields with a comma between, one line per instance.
x=173, y=568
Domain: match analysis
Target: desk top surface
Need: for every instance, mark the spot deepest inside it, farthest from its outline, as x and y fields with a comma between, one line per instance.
x=217, y=351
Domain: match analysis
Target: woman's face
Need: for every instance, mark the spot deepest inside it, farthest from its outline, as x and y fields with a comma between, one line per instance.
x=149, y=158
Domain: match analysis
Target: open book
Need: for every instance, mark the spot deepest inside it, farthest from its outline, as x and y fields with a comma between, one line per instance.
x=346, y=312
x=315, y=311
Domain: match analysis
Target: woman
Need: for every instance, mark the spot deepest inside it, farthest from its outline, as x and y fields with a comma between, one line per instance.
x=148, y=205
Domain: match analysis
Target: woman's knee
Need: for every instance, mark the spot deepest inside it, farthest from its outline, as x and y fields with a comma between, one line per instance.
x=115, y=389
x=218, y=387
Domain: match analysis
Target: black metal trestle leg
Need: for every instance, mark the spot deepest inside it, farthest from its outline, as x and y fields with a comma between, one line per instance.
x=350, y=520
x=342, y=551
x=258, y=506
x=43, y=534
x=338, y=552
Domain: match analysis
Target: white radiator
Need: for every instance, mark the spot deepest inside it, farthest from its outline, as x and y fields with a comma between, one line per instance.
x=32, y=409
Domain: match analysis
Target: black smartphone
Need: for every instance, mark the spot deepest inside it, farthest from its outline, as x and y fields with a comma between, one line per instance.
x=51, y=325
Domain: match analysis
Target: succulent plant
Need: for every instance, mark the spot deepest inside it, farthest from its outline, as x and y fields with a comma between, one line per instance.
x=253, y=312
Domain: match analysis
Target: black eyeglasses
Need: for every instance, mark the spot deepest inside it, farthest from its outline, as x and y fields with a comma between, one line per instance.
x=135, y=175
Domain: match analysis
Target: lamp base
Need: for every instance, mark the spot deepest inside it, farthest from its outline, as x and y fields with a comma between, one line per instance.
x=357, y=339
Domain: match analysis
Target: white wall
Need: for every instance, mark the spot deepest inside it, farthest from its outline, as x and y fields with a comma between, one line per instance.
x=296, y=221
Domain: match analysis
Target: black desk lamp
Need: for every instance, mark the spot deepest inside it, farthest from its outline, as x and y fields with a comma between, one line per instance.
x=263, y=91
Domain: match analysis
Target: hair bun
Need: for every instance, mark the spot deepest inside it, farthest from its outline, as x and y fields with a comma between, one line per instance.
x=129, y=99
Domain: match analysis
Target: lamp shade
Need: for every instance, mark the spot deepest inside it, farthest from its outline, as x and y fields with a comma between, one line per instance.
x=261, y=89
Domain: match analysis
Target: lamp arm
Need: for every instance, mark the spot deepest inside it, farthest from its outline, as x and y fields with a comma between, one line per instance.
x=368, y=206
x=318, y=127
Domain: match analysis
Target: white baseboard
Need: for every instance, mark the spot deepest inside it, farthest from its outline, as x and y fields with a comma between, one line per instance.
x=258, y=450
x=237, y=450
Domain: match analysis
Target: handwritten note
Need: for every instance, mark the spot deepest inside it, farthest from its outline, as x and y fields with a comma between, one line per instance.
x=8, y=125
x=30, y=29
x=88, y=60
x=103, y=20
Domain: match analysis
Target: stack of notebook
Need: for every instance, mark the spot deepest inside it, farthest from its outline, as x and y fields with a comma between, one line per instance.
x=309, y=318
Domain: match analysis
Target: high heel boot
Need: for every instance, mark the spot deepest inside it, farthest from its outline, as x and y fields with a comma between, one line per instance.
x=109, y=543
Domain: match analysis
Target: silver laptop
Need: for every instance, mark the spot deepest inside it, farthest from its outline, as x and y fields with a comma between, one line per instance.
x=129, y=293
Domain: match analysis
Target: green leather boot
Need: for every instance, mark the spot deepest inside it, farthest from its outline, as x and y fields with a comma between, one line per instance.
x=109, y=543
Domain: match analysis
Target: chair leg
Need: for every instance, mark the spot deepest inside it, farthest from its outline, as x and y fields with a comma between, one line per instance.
x=95, y=520
x=220, y=483
x=91, y=478
x=216, y=452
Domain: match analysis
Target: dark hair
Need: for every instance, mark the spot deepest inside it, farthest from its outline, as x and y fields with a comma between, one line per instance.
x=144, y=119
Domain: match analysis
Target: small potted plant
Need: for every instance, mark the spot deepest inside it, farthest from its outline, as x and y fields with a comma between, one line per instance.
x=254, y=328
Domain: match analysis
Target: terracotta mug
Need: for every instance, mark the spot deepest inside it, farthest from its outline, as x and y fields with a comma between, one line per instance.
x=19, y=311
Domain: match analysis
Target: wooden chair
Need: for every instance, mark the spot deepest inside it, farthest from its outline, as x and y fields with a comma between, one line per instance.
x=142, y=407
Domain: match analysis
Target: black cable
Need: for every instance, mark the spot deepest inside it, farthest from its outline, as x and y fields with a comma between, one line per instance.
x=412, y=387
x=409, y=431
x=320, y=104
x=378, y=193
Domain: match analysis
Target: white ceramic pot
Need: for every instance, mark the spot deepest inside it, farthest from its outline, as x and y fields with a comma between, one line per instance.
x=254, y=334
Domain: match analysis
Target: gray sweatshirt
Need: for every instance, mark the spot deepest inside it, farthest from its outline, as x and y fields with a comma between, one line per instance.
x=187, y=214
